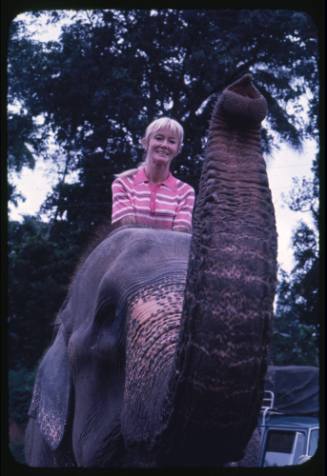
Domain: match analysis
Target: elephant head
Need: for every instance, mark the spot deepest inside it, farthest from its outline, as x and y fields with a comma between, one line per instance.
x=160, y=354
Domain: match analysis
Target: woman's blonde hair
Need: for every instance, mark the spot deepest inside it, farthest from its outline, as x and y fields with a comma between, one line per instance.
x=161, y=123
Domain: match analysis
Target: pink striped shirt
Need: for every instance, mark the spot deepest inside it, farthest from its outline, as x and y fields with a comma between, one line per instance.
x=168, y=204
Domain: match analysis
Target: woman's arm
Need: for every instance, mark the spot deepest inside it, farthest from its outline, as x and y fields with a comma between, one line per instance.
x=183, y=219
x=122, y=207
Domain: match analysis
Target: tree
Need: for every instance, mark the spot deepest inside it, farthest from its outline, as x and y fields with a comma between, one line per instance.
x=95, y=90
x=113, y=71
x=38, y=274
x=297, y=324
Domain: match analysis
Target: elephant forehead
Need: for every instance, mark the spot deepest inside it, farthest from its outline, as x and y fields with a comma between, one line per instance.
x=146, y=247
x=148, y=257
x=134, y=249
x=119, y=266
x=149, y=239
x=139, y=256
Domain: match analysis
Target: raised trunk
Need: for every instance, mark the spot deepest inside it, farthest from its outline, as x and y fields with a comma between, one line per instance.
x=215, y=392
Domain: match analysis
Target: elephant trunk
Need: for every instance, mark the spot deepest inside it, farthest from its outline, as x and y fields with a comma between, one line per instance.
x=217, y=382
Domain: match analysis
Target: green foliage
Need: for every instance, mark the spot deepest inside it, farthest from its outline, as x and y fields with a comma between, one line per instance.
x=17, y=451
x=20, y=385
x=297, y=324
x=19, y=131
x=113, y=71
x=304, y=195
x=294, y=340
x=38, y=275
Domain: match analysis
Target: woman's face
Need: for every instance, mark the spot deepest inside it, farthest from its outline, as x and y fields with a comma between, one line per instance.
x=162, y=146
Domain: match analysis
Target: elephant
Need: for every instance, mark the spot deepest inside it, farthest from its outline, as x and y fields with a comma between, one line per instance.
x=160, y=349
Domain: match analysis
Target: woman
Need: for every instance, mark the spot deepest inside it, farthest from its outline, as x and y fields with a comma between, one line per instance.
x=151, y=195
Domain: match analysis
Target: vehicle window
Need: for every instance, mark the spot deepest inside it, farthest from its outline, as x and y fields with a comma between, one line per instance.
x=313, y=443
x=279, y=448
x=280, y=441
x=300, y=446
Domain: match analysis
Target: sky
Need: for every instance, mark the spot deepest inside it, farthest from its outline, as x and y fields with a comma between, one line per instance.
x=284, y=164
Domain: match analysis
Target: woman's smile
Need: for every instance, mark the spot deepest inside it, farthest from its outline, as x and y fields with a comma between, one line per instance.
x=163, y=146
x=164, y=153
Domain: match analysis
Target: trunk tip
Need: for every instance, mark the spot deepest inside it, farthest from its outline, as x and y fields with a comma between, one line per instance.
x=247, y=78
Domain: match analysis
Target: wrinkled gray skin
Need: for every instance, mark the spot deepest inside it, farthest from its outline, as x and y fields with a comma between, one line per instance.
x=161, y=346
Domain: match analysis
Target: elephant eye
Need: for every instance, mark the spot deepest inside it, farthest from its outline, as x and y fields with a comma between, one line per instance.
x=107, y=334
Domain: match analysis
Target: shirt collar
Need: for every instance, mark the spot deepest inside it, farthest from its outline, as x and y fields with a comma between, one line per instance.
x=140, y=177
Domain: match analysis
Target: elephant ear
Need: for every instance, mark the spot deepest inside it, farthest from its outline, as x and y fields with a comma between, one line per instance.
x=52, y=392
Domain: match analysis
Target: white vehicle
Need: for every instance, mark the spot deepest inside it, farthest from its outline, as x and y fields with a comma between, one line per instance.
x=289, y=422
